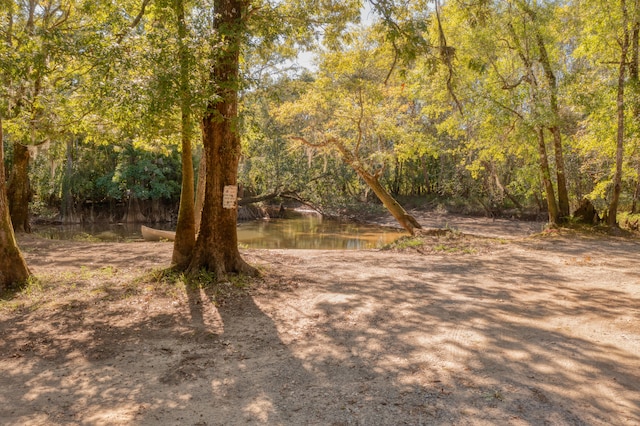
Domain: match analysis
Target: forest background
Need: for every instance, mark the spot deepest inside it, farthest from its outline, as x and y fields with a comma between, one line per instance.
x=523, y=107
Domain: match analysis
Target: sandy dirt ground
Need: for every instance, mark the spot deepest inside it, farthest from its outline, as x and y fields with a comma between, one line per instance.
x=463, y=330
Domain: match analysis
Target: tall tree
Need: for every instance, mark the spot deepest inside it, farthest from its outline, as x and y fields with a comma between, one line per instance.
x=355, y=108
x=511, y=50
x=606, y=45
x=624, y=41
x=13, y=268
x=216, y=247
x=36, y=32
x=185, y=230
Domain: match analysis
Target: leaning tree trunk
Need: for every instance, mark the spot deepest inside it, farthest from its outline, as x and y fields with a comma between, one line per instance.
x=407, y=221
x=552, y=206
x=185, y=230
x=19, y=190
x=216, y=247
x=13, y=268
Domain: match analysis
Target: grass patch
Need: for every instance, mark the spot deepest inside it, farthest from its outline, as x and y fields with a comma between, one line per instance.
x=404, y=243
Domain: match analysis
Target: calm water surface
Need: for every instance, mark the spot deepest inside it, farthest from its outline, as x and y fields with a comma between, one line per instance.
x=306, y=232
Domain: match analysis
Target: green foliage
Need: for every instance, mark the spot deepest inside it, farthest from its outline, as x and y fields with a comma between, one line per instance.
x=98, y=92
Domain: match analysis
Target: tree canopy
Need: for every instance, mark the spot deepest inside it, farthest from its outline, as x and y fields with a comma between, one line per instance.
x=517, y=105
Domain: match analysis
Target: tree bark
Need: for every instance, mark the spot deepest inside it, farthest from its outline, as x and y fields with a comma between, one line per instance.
x=200, y=188
x=563, y=194
x=407, y=221
x=185, y=230
x=216, y=247
x=13, y=268
x=552, y=206
x=19, y=189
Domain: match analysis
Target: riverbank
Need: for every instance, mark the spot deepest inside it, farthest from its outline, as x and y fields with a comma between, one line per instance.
x=499, y=328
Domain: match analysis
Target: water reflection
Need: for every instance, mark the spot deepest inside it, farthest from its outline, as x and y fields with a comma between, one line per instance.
x=304, y=232
x=314, y=232
x=90, y=231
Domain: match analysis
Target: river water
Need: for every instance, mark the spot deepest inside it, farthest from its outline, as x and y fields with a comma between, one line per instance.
x=304, y=232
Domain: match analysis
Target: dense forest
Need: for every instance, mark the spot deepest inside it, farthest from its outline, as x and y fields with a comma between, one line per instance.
x=502, y=107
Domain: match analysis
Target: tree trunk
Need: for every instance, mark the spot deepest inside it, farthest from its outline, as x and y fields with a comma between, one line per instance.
x=563, y=195
x=636, y=196
x=185, y=231
x=202, y=180
x=13, y=268
x=216, y=247
x=19, y=189
x=68, y=211
x=552, y=207
x=617, y=178
x=407, y=221
x=503, y=189
x=133, y=213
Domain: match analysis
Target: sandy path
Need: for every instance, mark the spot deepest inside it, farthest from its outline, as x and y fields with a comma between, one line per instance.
x=529, y=331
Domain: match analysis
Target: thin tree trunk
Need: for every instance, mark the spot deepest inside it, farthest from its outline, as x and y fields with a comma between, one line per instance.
x=68, y=212
x=552, y=207
x=19, y=190
x=202, y=180
x=501, y=187
x=13, y=268
x=185, y=231
x=563, y=194
x=617, y=178
x=216, y=247
x=636, y=195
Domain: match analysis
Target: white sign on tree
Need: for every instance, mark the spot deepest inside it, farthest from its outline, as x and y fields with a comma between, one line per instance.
x=230, y=196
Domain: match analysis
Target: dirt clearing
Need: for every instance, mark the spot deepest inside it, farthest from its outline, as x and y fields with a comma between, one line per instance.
x=462, y=330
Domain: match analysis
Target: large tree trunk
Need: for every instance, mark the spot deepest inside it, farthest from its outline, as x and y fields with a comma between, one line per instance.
x=13, y=268
x=216, y=247
x=19, y=189
x=185, y=231
x=552, y=206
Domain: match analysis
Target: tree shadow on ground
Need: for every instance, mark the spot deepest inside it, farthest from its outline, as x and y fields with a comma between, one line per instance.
x=440, y=340
x=492, y=344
